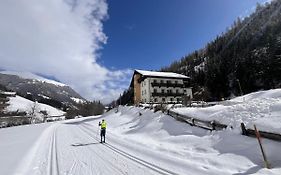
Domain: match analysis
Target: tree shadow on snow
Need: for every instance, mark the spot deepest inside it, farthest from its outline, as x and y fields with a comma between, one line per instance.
x=84, y=144
x=82, y=121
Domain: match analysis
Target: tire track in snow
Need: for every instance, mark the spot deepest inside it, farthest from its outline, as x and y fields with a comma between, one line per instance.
x=135, y=159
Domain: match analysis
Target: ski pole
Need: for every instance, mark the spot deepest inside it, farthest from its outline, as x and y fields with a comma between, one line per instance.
x=97, y=133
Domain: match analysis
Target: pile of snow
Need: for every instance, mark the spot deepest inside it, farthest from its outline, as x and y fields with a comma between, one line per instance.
x=28, y=75
x=21, y=104
x=262, y=108
x=158, y=138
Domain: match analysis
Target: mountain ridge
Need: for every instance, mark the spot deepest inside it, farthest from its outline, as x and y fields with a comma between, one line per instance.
x=42, y=90
x=244, y=59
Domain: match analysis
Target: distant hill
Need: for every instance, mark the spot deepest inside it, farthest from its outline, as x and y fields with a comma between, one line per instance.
x=244, y=59
x=37, y=88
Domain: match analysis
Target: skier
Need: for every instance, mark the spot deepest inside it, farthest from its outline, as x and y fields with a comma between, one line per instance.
x=102, y=125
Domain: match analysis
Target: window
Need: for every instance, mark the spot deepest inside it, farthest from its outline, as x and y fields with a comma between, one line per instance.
x=178, y=99
x=163, y=99
x=171, y=99
x=177, y=91
x=161, y=81
x=155, y=81
x=155, y=100
x=155, y=90
x=176, y=82
x=163, y=91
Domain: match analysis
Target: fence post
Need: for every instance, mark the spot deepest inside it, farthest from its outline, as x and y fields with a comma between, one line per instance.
x=213, y=124
x=244, y=130
x=193, y=121
x=263, y=153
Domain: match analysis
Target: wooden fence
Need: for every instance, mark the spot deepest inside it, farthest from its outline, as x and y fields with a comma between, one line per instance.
x=214, y=125
x=209, y=125
x=14, y=121
x=251, y=133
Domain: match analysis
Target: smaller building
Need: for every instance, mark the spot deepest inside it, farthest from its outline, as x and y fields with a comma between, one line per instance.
x=160, y=87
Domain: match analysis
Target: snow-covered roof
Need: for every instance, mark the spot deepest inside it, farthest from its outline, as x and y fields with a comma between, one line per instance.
x=160, y=74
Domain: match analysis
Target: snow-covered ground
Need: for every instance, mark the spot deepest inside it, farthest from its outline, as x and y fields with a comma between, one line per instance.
x=78, y=100
x=138, y=142
x=21, y=104
x=262, y=108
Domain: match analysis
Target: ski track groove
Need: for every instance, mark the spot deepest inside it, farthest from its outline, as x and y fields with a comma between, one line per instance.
x=102, y=157
x=135, y=159
x=53, y=167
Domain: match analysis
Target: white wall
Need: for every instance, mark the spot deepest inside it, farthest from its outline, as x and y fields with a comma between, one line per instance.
x=147, y=90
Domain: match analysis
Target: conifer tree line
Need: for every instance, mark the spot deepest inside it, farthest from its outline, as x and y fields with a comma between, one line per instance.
x=89, y=108
x=244, y=59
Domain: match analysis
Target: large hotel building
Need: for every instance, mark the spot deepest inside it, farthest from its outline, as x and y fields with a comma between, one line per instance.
x=160, y=87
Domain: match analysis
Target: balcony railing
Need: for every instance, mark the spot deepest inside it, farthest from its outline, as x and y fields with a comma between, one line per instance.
x=161, y=94
x=153, y=84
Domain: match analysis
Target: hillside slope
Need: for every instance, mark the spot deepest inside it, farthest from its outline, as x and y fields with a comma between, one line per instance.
x=21, y=104
x=244, y=59
x=261, y=108
x=40, y=89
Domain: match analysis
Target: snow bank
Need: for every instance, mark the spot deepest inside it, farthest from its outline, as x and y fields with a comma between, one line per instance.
x=15, y=143
x=189, y=150
x=261, y=108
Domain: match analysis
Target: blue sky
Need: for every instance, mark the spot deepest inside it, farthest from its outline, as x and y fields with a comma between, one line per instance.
x=150, y=34
x=91, y=45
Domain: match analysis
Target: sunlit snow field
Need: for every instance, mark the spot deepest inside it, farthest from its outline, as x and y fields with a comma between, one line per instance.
x=150, y=143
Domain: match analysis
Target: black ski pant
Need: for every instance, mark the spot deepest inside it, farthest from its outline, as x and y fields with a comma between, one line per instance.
x=102, y=135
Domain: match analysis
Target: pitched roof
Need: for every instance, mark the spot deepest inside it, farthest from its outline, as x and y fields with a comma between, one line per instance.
x=160, y=74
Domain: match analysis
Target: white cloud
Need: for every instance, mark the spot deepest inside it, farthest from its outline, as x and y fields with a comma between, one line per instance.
x=59, y=38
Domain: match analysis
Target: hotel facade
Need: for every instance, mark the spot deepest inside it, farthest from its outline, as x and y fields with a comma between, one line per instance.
x=160, y=87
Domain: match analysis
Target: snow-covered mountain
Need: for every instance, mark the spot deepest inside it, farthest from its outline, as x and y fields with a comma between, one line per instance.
x=35, y=87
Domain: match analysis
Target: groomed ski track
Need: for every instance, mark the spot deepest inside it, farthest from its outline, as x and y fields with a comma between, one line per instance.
x=74, y=148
